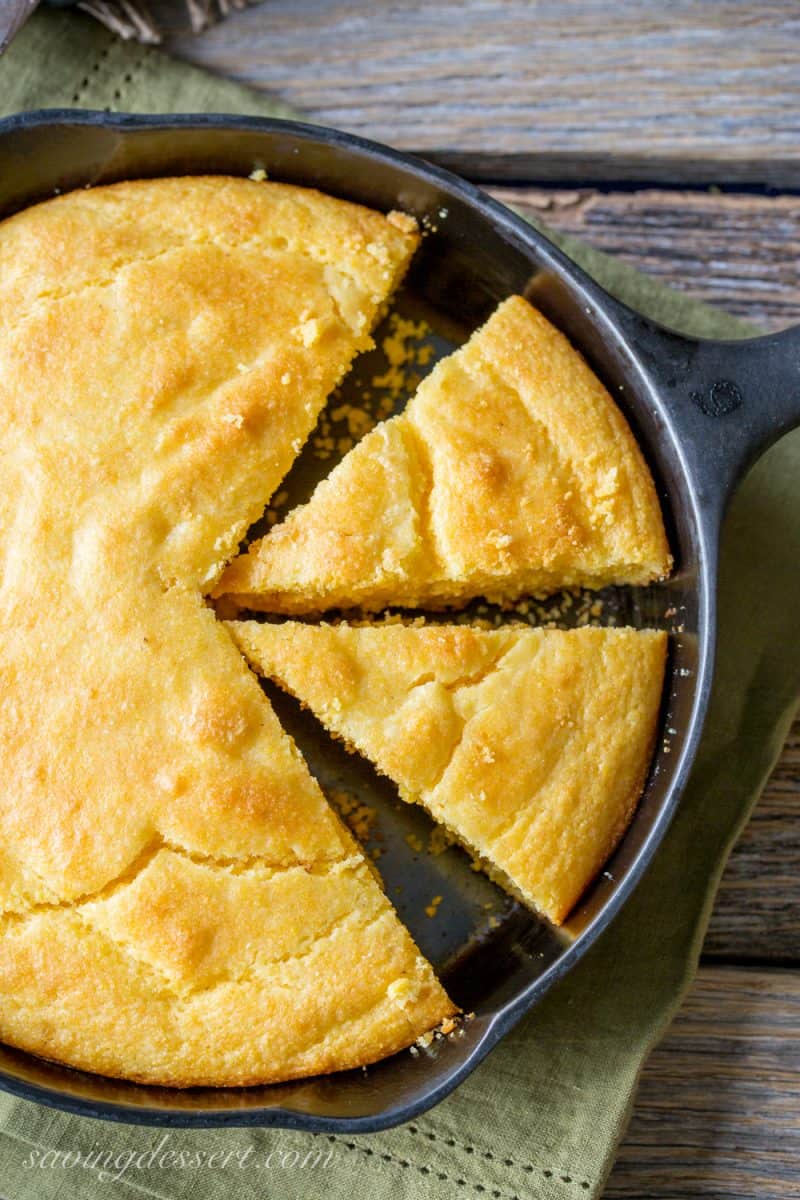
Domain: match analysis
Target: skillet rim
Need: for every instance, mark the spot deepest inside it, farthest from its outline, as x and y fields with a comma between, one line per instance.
x=616, y=320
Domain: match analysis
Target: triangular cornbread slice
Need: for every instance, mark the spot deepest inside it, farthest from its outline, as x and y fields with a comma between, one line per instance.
x=180, y=905
x=530, y=745
x=510, y=471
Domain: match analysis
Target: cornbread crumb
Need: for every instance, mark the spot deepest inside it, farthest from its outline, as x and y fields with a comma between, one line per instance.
x=405, y=350
x=400, y=988
x=409, y=351
x=258, y=175
x=431, y=909
x=358, y=420
x=439, y=840
x=309, y=331
x=414, y=842
x=357, y=816
x=402, y=221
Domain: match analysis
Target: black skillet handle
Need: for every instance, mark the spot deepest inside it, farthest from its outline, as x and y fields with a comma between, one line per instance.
x=729, y=401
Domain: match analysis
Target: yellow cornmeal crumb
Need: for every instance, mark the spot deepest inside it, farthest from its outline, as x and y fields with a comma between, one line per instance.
x=430, y=909
x=396, y=344
x=408, y=352
x=393, y=380
x=399, y=988
x=439, y=841
x=258, y=175
x=358, y=420
x=309, y=331
x=357, y=816
x=414, y=842
x=446, y=1029
x=405, y=350
x=577, y=607
x=402, y=221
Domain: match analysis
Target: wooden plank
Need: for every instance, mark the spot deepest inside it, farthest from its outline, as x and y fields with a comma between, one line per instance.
x=757, y=912
x=740, y=252
x=13, y=15
x=717, y=1109
x=695, y=90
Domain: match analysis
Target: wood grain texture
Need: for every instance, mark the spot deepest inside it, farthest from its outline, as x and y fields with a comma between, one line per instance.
x=718, y=1110
x=700, y=90
x=13, y=15
x=740, y=252
x=757, y=911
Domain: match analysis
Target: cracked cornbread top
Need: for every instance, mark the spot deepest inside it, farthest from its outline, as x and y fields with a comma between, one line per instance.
x=530, y=746
x=510, y=472
x=179, y=904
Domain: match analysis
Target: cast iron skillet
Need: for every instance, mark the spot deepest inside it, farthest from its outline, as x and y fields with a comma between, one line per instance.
x=703, y=411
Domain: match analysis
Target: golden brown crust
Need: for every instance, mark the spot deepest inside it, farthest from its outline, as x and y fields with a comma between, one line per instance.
x=195, y=972
x=511, y=471
x=530, y=745
x=165, y=348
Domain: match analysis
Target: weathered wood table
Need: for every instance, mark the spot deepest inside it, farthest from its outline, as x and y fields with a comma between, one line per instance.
x=669, y=135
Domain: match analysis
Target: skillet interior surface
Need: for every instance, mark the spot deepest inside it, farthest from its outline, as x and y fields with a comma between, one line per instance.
x=494, y=957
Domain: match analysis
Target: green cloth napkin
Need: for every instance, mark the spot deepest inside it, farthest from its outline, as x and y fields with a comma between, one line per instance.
x=543, y=1116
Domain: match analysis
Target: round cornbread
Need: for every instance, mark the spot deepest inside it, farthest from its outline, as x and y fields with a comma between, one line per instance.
x=180, y=906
